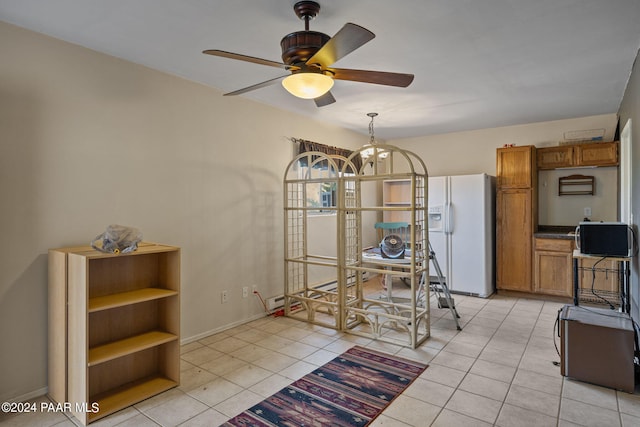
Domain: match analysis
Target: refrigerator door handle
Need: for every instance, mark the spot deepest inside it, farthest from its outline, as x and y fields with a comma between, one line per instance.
x=449, y=218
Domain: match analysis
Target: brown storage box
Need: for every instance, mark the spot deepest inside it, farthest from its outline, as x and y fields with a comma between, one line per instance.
x=596, y=346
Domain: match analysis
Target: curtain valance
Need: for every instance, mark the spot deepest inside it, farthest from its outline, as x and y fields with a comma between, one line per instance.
x=306, y=146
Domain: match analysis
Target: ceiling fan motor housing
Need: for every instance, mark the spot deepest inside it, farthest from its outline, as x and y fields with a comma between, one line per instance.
x=298, y=47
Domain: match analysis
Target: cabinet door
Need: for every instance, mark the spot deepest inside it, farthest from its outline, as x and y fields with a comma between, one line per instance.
x=553, y=268
x=514, y=237
x=600, y=276
x=555, y=157
x=515, y=166
x=597, y=154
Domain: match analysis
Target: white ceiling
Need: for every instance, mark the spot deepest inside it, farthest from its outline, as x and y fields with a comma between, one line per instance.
x=477, y=63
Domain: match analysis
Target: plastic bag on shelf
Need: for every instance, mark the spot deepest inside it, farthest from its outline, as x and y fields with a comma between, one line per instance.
x=117, y=239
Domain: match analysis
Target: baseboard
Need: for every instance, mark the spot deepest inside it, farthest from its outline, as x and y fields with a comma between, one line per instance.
x=27, y=396
x=210, y=332
x=44, y=390
x=529, y=295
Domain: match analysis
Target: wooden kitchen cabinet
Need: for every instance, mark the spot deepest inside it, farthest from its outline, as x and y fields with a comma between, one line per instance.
x=555, y=157
x=601, y=275
x=515, y=167
x=602, y=280
x=514, y=231
x=516, y=217
x=578, y=155
x=597, y=154
x=115, y=333
x=553, y=268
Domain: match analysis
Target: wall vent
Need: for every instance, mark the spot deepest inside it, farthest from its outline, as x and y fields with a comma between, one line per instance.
x=584, y=135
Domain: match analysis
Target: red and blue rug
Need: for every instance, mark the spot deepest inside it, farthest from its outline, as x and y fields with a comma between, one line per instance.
x=350, y=390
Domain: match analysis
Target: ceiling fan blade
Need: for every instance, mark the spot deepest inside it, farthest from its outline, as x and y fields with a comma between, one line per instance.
x=247, y=58
x=377, y=77
x=325, y=99
x=256, y=86
x=349, y=38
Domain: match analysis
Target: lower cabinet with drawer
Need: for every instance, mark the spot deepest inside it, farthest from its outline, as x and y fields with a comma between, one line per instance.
x=553, y=273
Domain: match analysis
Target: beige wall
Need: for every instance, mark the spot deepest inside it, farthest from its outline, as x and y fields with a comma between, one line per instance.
x=569, y=210
x=87, y=140
x=475, y=151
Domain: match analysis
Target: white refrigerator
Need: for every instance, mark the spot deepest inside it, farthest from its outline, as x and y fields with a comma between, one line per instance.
x=462, y=232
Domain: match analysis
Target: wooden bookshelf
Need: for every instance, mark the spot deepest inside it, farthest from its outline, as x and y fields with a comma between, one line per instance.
x=114, y=400
x=126, y=298
x=121, y=327
x=396, y=199
x=120, y=348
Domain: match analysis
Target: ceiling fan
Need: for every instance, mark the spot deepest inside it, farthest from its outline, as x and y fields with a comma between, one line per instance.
x=308, y=55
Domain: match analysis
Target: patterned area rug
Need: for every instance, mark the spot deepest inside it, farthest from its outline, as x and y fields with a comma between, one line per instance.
x=351, y=390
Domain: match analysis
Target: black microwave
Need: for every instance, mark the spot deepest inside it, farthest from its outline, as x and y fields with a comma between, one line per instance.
x=604, y=238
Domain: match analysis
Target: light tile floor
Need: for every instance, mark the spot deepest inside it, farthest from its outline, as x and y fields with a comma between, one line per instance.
x=497, y=371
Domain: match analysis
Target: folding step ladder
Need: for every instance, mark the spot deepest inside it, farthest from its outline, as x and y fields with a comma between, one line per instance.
x=438, y=285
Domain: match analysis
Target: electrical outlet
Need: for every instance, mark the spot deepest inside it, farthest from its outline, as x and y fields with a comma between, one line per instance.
x=224, y=297
x=245, y=292
x=587, y=212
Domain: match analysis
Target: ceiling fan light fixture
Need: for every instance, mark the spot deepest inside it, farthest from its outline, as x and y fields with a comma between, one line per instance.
x=308, y=55
x=308, y=85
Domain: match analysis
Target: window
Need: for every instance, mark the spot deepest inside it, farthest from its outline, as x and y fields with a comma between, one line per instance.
x=320, y=186
x=321, y=180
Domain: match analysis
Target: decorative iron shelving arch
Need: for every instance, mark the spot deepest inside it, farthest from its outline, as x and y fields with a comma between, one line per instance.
x=342, y=302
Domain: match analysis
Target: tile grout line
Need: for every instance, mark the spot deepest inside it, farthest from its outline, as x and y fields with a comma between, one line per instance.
x=520, y=361
x=468, y=371
x=516, y=369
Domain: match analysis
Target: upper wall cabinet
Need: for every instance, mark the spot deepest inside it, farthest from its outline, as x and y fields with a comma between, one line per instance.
x=576, y=155
x=598, y=154
x=555, y=157
x=515, y=167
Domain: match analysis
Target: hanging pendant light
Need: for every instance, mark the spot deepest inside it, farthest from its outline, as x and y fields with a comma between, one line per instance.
x=372, y=146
